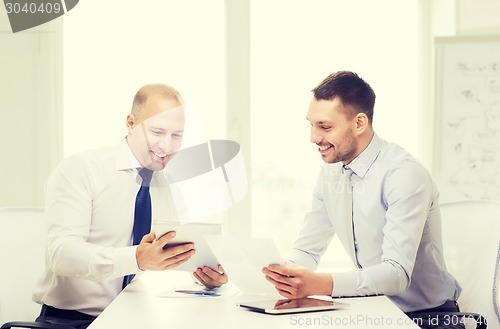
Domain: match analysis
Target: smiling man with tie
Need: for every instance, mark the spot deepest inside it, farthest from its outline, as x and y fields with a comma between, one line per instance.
x=99, y=208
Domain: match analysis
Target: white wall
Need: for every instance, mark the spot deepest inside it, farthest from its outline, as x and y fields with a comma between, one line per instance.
x=478, y=17
x=112, y=48
x=30, y=104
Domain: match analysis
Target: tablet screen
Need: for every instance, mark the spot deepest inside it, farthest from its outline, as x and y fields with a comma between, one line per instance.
x=286, y=306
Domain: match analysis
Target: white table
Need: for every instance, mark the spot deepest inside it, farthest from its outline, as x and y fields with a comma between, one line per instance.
x=148, y=303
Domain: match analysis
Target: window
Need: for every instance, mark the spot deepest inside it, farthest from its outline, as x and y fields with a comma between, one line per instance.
x=294, y=45
x=112, y=48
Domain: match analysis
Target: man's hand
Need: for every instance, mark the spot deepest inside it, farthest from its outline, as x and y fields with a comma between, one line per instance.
x=150, y=254
x=292, y=281
x=210, y=278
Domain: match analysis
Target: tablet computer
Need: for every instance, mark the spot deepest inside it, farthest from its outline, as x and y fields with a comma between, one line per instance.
x=287, y=306
x=243, y=259
x=190, y=233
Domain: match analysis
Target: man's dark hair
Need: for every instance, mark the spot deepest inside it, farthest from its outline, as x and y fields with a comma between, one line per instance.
x=354, y=93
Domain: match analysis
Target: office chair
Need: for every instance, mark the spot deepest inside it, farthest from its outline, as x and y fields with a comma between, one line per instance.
x=22, y=235
x=471, y=246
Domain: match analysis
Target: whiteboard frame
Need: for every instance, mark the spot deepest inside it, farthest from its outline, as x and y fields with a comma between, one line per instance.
x=440, y=44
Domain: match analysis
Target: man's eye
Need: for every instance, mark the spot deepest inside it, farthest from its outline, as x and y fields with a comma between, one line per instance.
x=176, y=136
x=157, y=133
x=325, y=127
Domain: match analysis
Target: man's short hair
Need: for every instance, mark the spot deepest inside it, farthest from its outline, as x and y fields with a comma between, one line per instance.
x=353, y=92
x=151, y=90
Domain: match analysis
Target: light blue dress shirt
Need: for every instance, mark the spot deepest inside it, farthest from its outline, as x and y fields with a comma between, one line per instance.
x=394, y=237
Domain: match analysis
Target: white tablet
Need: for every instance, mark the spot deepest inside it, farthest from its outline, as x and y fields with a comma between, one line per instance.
x=243, y=259
x=287, y=306
x=194, y=233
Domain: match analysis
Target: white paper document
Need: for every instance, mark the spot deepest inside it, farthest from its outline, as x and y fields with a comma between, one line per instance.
x=243, y=260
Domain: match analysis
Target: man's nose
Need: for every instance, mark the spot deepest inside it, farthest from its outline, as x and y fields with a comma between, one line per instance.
x=166, y=144
x=316, y=137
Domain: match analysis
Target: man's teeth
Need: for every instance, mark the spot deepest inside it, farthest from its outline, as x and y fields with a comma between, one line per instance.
x=322, y=148
x=159, y=155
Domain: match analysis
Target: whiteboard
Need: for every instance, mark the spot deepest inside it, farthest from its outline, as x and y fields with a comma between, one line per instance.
x=467, y=118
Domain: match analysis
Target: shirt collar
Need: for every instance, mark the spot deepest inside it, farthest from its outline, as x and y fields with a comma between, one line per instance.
x=124, y=158
x=363, y=162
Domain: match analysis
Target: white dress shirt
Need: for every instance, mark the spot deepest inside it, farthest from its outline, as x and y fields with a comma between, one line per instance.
x=90, y=201
x=397, y=229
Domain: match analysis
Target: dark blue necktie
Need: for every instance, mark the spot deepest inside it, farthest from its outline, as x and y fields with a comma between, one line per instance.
x=142, y=214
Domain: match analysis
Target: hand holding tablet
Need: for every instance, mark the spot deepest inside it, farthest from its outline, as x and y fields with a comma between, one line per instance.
x=150, y=255
x=190, y=233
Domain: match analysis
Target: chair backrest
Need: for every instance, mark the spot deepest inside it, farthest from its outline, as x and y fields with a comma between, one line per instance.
x=22, y=255
x=471, y=241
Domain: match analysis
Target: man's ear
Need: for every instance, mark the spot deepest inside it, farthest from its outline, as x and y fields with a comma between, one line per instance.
x=130, y=122
x=361, y=121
